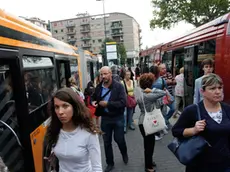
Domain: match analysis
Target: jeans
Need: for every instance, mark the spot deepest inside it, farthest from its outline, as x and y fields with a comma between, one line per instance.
x=110, y=126
x=170, y=113
x=149, y=144
x=125, y=119
x=129, y=116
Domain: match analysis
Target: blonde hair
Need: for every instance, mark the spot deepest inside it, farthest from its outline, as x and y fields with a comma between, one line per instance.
x=72, y=81
x=210, y=80
x=182, y=70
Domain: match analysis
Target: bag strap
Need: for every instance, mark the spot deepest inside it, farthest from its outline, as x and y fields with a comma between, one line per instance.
x=125, y=87
x=143, y=101
x=104, y=95
x=198, y=112
x=163, y=83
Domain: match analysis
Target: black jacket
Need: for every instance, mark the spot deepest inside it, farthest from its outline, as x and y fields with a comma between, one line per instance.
x=117, y=101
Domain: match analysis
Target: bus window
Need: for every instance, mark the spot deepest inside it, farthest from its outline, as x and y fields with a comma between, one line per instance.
x=40, y=82
x=205, y=50
x=62, y=74
x=75, y=71
x=88, y=72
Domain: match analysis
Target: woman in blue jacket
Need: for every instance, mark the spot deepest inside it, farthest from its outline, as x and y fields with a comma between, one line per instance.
x=214, y=127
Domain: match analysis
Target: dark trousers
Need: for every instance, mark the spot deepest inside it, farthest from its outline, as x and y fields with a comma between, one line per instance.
x=110, y=126
x=207, y=169
x=149, y=144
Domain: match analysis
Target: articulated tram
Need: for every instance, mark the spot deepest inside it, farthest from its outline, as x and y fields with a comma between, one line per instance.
x=211, y=40
x=33, y=65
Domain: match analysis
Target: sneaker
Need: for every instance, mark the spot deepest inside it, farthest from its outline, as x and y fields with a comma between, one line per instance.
x=131, y=127
x=165, y=131
x=125, y=158
x=158, y=138
x=109, y=168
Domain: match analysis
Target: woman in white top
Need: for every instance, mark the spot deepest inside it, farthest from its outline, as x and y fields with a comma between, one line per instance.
x=73, y=134
x=179, y=91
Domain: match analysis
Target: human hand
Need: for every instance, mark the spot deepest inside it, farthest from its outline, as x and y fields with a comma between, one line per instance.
x=94, y=103
x=147, y=90
x=199, y=126
x=103, y=103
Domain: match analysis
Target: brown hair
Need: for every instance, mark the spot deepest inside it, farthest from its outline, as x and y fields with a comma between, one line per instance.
x=146, y=80
x=207, y=62
x=81, y=115
x=155, y=70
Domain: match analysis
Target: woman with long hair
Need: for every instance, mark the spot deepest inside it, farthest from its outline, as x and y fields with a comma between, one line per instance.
x=72, y=134
x=89, y=91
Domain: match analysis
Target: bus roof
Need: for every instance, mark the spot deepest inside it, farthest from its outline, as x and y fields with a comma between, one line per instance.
x=17, y=32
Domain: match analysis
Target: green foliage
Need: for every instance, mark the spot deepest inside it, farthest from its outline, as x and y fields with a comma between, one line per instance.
x=122, y=53
x=166, y=13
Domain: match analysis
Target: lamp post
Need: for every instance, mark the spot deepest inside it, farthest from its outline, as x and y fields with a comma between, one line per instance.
x=105, y=55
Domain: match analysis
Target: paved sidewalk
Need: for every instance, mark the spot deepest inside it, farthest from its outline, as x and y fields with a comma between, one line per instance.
x=165, y=160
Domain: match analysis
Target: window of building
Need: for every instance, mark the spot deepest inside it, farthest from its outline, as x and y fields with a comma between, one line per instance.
x=61, y=30
x=56, y=31
x=62, y=38
x=40, y=80
x=99, y=40
x=93, y=41
x=71, y=37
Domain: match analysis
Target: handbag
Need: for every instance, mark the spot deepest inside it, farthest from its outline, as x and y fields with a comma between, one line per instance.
x=168, y=98
x=186, y=150
x=131, y=101
x=100, y=110
x=153, y=121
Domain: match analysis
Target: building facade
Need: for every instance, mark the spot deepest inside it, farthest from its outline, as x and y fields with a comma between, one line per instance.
x=37, y=21
x=89, y=32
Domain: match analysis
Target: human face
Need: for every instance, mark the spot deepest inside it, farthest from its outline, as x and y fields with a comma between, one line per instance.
x=63, y=110
x=106, y=76
x=207, y=69
x=162, y=70
x=213, y=93
x=127, y=75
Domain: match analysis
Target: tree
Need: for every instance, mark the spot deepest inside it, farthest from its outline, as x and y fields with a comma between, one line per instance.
x=121, y=51
x=197, y=12
x=122, y=54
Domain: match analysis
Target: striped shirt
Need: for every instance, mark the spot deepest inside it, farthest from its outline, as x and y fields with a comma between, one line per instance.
x=168, y=76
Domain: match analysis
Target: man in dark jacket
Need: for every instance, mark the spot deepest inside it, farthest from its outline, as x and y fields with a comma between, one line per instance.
x=110, y=98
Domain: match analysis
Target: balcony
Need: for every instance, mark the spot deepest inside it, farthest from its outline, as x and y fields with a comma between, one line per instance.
x=70, y=32
x=82, y=23
x=86, y=45
x=68, y=25
x=114, y=34
x=116, y=26
x=85, y=38
x=86, y=30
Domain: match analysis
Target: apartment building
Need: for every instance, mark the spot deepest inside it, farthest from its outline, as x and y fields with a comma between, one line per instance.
x=89, y=32
x=37, y=21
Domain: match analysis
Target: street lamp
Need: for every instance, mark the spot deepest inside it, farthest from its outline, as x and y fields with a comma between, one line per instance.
x=105, y=55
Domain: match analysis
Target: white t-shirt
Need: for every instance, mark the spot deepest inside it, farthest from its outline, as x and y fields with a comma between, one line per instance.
x=78, y=151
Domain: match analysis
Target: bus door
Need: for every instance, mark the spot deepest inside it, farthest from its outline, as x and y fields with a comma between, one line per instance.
x=63, y=71
x=11, y=113
x=40, y=83
x=190, y=65
x=168, y=60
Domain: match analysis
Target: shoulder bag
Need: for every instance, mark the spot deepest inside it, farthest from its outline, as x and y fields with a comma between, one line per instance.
x=100, y=110
x=131, y=101
x=186, y=150
x=153, y=121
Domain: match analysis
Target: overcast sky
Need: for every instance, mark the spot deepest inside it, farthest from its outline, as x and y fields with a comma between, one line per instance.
x=52, y=10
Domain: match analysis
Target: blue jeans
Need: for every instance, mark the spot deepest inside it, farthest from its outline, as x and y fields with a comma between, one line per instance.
x=129, y=116
x=110, y=126
x=170, y=113
x=125, y=119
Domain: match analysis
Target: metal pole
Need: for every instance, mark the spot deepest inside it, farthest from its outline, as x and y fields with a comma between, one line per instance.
x=105, y=55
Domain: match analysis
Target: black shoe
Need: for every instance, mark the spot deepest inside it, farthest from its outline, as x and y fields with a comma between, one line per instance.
x=154, y=164
x=109, y=168
x=125, y=158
